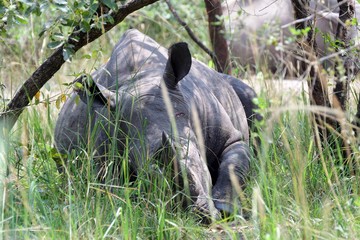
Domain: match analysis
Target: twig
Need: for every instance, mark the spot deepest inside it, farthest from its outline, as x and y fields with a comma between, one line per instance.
x=193, y=37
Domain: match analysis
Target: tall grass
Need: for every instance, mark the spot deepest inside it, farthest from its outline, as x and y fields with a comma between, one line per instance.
x=289, y=193
x=294, y=190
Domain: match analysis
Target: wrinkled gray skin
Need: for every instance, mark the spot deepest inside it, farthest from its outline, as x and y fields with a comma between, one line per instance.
x=261, y=20
x=131, y=83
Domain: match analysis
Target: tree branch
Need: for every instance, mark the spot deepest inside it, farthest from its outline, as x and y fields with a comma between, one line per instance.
x=51, y=65
x=194, y=38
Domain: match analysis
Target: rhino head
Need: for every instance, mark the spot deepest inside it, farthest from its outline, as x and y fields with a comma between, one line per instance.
x=156, y=122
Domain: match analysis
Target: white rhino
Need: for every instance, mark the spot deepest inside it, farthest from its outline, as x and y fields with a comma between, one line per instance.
x=128, y=107
x=258, y=32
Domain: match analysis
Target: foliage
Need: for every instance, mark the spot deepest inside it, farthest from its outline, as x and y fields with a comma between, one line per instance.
x=68, y=14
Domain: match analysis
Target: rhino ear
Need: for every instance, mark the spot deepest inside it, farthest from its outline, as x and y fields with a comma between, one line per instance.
x=100, y=95
x=178, y=64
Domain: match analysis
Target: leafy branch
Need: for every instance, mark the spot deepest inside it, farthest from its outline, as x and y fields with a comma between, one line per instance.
x=77, y=39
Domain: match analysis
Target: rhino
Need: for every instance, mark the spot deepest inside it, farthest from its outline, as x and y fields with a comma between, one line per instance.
x=148, y=98
x=256, y=27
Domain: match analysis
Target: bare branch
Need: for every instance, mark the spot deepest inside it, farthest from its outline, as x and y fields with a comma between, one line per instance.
x=194, y=38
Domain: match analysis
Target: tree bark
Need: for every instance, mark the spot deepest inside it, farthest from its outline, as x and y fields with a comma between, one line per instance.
x=343, y=37
x=343, y=78
x=216, y=32
x=51, y=65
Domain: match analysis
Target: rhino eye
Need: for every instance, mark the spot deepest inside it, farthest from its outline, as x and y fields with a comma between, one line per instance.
x=180, y=114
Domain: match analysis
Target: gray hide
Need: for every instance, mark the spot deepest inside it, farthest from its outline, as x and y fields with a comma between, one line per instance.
x=129, y=90
x=254, y=25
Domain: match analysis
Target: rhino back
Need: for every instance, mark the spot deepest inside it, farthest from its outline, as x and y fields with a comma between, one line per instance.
x=134, y=54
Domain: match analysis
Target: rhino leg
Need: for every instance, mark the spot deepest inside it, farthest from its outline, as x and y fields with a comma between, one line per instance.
x=191, y=174
x=198, y=177
x=234, y=166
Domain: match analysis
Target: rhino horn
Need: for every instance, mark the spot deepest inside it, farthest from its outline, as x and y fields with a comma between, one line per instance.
x=178, y=64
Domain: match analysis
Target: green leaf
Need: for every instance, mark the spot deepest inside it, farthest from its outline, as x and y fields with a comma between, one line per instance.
x=110, y=4
x=305, y=31
x=354, y=22
x=59, y=36
x=86, y=56
x=62, y=8
x=85, y=26
x=20, y=19
x=77, y=99
x=294, y=31
x=261, y=102
x=78, y=86
x=60, y=2
x=93, y=7
x=55, y=44
x=68, y=53
x=110, y=19
x=357, y=202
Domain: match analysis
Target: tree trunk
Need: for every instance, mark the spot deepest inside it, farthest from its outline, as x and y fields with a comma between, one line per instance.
x=343, y=37
x=344, y=72
x=216, y=32
x=317, y=82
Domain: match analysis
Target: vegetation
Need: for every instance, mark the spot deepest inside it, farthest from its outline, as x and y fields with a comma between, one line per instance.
x=294, y=191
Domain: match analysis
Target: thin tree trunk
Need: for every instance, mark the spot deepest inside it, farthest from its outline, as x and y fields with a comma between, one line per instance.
x=216, y=32
x=344, y=72
x=343, y=37
x=317, y=82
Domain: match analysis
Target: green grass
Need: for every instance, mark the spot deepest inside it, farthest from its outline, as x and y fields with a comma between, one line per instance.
x=294, y=191
x=289, y=194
